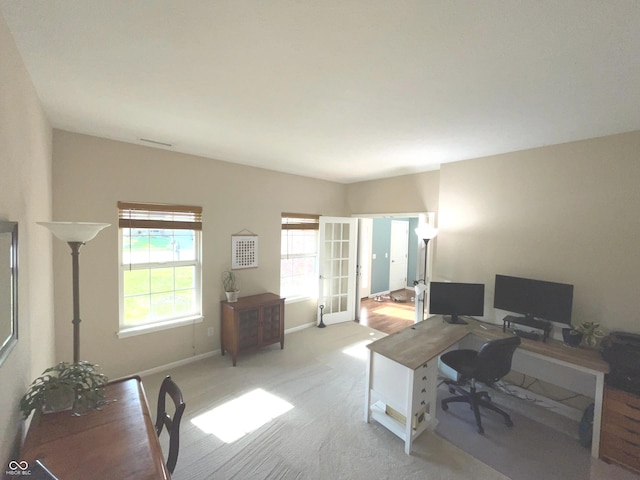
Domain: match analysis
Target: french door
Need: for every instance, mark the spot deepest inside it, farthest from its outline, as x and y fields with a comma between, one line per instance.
x=337, y=265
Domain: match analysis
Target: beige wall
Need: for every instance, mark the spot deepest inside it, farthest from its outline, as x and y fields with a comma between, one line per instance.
x=25, y=197
x=408, y=193
x=566, y=213
x=90, y=176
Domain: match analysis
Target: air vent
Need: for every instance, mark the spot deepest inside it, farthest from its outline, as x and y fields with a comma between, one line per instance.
x=155, y=142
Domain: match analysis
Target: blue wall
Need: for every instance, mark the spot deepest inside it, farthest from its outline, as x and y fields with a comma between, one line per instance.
x=381, y=245
x=412, y=260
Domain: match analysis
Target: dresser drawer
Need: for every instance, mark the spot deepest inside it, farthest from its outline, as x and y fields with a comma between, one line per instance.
x=618, y=450
x=626, y=431
x=620, y=437
x=617, y=401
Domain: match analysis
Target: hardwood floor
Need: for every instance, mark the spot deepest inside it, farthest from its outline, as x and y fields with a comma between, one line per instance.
x=386, y=314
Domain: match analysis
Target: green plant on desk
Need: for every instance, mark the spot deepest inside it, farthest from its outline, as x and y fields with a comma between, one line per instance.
x=590, y=331
x=67, y=385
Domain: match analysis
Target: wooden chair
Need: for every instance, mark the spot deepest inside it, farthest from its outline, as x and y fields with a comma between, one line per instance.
x=163, y=419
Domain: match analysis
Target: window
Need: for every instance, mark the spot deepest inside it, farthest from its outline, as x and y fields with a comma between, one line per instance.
x=299, y=256
x=160, y=266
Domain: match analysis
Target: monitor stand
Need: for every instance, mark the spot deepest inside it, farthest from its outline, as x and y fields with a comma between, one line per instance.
x=454, y=320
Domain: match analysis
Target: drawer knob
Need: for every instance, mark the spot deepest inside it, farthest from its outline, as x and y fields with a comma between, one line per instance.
x=424, y=390
x=424, y=379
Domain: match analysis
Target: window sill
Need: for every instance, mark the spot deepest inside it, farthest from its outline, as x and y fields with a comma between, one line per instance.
x=156, y=327
x=299, y=299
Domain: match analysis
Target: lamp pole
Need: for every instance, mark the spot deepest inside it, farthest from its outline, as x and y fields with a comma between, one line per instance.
x=424, y=294
x=75, y=254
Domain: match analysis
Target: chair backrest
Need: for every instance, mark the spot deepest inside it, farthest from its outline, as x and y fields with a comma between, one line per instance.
x=494, y=359
x=163, y=419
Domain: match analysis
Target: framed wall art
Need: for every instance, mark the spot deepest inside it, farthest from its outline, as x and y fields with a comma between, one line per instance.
x=244, y=251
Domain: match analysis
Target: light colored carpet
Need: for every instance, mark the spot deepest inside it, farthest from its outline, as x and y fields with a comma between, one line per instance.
x=320, y=375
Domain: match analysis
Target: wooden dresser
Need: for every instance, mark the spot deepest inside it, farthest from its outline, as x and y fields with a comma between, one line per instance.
x=620, y=437
x=251, y=323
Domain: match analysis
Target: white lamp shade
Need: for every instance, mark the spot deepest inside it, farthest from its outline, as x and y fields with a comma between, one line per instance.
x=426, y=232
x=420, y=288
x=74, y=231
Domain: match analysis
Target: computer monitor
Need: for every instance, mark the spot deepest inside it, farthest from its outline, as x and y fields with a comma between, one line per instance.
x=456, y=299
x=534, y=298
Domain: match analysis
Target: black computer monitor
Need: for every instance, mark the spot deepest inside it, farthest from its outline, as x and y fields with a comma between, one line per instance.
x=534, y=298
x=456, y=299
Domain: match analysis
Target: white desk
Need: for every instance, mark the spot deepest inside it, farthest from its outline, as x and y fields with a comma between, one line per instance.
x=402, y=371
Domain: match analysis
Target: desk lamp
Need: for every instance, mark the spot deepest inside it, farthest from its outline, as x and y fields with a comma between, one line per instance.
x=425, y=232
x=75, y=234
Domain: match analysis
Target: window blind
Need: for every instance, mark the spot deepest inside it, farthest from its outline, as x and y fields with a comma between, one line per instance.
x=300, y=221
x=156, y=215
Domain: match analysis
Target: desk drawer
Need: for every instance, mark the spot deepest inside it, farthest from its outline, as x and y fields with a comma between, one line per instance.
x=425, y=381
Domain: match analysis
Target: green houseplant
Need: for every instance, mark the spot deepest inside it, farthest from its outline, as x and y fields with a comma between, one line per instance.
x=591, y=333
x=230, y=285
x=67, y=385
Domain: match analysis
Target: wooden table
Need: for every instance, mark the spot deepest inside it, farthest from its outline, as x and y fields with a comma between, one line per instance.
x=119, y=441
x=401, y=379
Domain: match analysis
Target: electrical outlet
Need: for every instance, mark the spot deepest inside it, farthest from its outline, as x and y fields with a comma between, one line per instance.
x=210, y=331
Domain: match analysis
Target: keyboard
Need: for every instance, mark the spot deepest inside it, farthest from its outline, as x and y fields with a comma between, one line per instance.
x=529, y=335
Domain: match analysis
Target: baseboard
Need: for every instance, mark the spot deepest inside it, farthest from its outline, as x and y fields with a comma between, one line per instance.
x=197, y=358
x=178, y=363
x=300, y=327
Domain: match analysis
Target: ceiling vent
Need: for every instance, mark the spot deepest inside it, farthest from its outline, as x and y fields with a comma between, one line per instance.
x=155, y=142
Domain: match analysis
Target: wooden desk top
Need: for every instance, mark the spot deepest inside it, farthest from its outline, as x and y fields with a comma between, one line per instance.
x=419, y=343
x=117, y=441
x=425, y=340
x=581, y=357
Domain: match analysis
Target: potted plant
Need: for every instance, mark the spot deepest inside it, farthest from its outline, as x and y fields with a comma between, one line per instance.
x=230, y=285
x=67, y=385
x=587, y=333
x=591, y=333
x=571, y=337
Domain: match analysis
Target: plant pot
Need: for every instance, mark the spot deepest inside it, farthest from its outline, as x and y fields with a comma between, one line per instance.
x=59, y=400
x=232, y=297
x=571, y=339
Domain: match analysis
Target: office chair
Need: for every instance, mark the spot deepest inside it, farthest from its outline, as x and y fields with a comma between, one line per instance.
x=487, y=365
x=163, y=419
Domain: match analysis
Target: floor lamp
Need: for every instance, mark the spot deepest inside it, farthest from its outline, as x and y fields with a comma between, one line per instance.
x=425, y=232
x=75, y=234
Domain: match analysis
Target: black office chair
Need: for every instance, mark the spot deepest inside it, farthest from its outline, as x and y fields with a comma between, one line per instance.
x=163, y=419
x=487, y=365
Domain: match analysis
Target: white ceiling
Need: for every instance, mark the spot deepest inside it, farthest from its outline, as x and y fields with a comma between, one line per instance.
x=342, y=90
